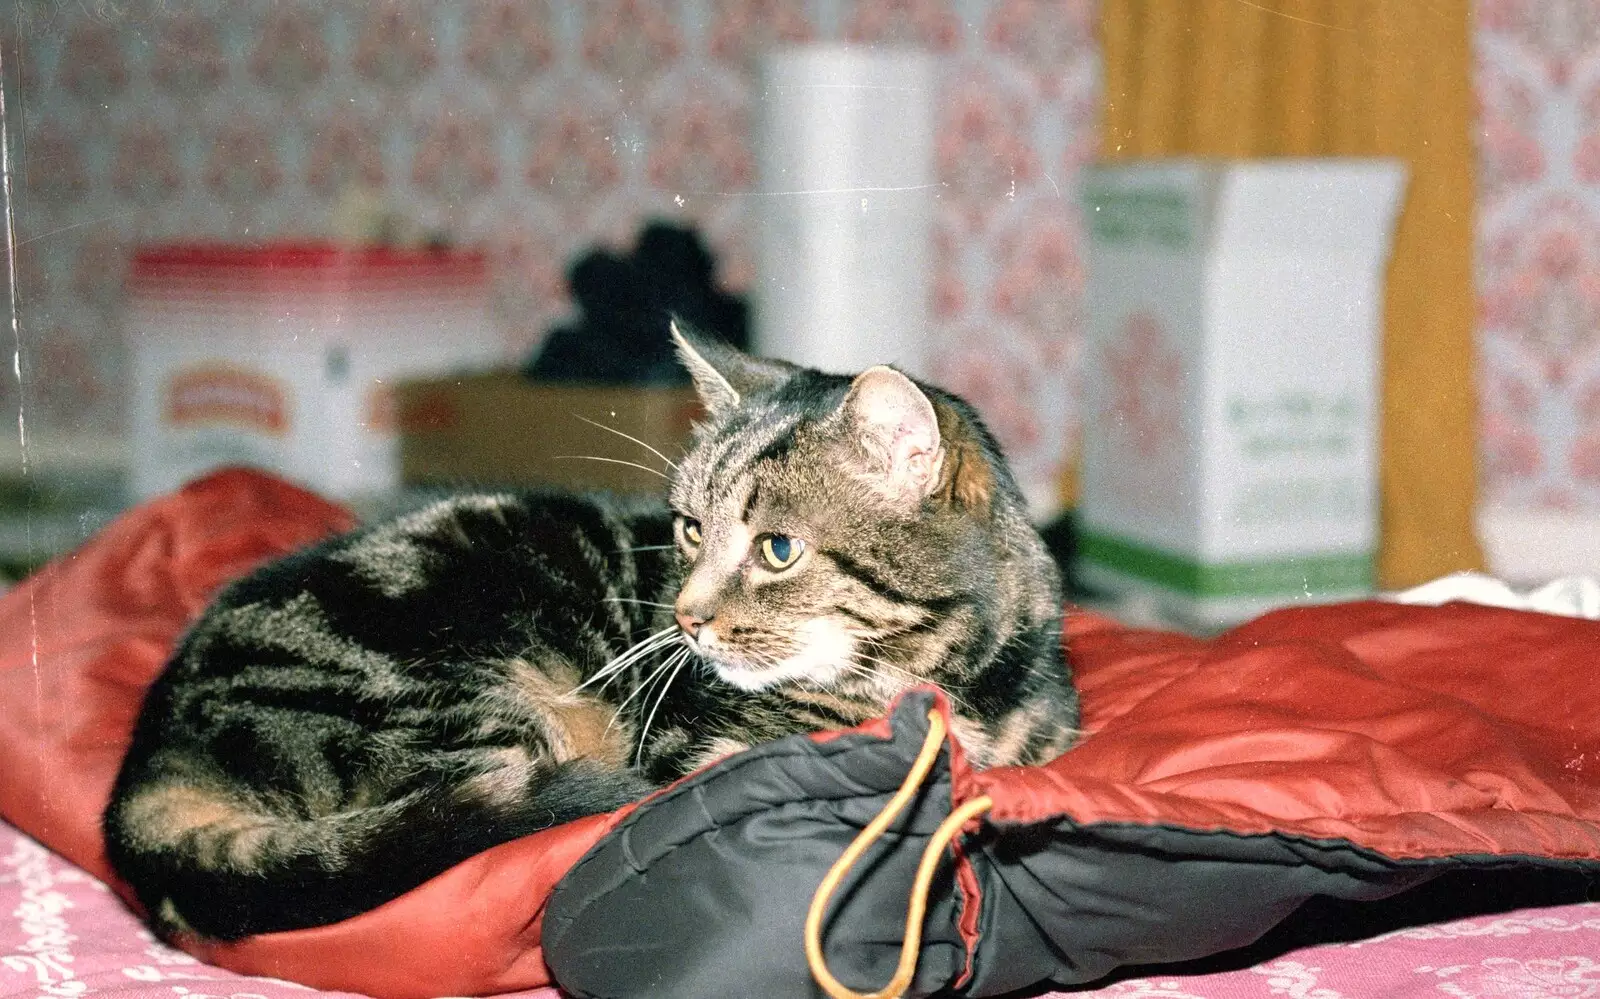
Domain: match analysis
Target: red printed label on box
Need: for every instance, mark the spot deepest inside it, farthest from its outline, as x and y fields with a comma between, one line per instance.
x=221, y=394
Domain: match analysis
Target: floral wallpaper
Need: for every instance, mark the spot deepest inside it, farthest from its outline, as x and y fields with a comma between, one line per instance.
x=1538, y=254
x=536, y=128
x=539, y=128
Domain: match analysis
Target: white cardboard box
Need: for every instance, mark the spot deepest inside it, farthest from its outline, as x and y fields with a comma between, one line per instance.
x=1232, y=380
x=285, y=358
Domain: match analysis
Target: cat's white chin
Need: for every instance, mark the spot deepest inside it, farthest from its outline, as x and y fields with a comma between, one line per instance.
x=760, y=679
x=824, y=646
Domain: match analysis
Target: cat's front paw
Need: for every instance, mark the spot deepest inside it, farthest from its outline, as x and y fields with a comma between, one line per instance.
x=716, y=749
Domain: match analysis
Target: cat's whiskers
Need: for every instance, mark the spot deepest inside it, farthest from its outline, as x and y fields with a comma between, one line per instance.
x=642, y=603
x=665, y=664
x=770, y=659
x=850, y=661
x=907, y=680
x=877, y=643
x=766, y=659
x=897, y=674
x=613, y=430
x=643, y=548
x=913, y=677
x=883, y=672
x=616, y=716
x=650, y=644
x=861, y=671
x=895, y=684
x=615, y=461
x=762, y=658
x=650, y=718
x=885, y=663
x=888, y=666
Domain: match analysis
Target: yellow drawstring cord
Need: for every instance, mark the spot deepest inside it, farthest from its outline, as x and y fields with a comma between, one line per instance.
x=931, y=855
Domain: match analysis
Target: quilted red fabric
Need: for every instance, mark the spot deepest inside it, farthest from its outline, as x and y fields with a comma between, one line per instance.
x=1415, y=732
x=83, y=637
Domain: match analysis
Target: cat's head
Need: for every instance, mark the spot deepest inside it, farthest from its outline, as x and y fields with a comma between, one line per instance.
x=845, y=529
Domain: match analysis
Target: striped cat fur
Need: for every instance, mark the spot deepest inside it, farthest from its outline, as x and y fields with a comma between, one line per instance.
x=353, y=719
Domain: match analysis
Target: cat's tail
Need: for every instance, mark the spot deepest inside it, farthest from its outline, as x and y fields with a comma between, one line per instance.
x=213, y=862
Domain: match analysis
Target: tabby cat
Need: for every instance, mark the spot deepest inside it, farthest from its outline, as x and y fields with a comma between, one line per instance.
x=353, y=719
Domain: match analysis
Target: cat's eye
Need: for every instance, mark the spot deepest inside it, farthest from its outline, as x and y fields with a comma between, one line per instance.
x=781, y=551
x=691, y=531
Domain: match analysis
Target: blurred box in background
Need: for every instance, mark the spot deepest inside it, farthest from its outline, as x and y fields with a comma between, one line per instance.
x=286, y=357
x=1232, y=381
x=504, y=430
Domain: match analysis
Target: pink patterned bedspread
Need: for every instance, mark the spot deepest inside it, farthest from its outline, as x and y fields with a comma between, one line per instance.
x=63, y=934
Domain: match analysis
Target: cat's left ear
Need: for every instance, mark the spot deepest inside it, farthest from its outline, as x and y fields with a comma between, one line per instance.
x=896, y=425
x=723, y=375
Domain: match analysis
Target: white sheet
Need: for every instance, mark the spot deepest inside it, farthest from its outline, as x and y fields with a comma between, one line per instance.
x=1571, y=596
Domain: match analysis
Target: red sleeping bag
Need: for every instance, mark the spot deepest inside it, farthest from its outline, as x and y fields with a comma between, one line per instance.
x=1350, y=751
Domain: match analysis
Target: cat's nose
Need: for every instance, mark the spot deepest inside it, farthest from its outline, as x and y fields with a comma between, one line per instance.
x=690, y=622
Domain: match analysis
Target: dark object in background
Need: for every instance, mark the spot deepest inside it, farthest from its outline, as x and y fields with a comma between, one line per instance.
x=620, y=336
x=1061, y=538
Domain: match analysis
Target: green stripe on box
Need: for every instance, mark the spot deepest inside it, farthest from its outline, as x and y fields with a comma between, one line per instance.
x=1264, y=578
x=1139, y=215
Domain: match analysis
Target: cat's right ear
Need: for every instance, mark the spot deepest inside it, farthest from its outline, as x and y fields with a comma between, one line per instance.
x=723, y=375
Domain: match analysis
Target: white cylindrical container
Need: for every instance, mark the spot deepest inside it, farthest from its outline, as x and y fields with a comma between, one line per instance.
x=845, y=206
